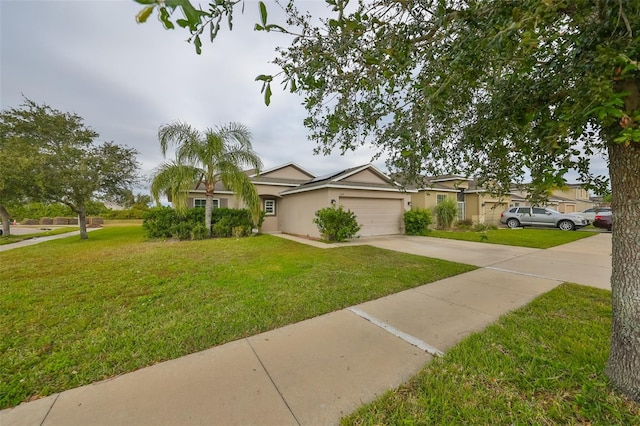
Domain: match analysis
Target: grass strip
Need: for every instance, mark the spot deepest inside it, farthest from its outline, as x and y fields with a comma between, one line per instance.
x=77, y=311
x=541, y=364
x=527, y=237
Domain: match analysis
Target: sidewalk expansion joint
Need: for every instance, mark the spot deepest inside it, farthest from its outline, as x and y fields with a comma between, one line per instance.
x=522, y=273
x=412, y=340
x=273, y=382
x=50, y=408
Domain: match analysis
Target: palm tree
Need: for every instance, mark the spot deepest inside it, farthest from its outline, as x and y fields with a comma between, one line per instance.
x=215, y=155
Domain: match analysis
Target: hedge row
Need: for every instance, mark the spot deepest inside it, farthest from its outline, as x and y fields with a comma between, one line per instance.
x=165, y=222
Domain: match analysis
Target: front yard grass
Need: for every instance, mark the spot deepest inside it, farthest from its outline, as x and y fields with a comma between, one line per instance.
x=76, y=311
x=540, y=365
x=524, y=237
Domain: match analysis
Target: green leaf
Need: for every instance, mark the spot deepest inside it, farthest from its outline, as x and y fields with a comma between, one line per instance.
x=198, y=43
x=263, y=13
x=258, y=27
x=144, y=14
x=183, y=23
x=164, y=18
x=264, y=77
x=275, y=27
x=267, y=95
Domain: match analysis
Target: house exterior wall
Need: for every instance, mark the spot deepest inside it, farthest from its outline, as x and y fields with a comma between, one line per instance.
x=298, y=210
x=579, y=199
x=473, y=209
x=226, y=200
x=428, y=199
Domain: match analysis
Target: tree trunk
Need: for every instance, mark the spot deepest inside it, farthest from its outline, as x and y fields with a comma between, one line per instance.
x=208, y=209
x=82, y=221
x=4, y=216
x=623, y=366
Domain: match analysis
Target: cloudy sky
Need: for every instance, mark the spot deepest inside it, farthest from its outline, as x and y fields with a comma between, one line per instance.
x=91, y=57
x=126, y=79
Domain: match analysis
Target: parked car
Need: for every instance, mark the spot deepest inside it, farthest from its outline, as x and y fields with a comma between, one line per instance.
x=590, y=214
x=517, y=217
x=604, y=220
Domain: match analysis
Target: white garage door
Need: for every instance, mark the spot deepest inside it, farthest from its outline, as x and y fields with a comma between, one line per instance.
x=376, y=216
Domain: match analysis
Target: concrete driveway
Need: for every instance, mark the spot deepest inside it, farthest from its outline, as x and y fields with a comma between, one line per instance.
x=586, y=261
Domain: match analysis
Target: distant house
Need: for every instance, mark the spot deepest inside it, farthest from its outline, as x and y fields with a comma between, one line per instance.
x=474, y=202
x=291, y=195
x=478, y=205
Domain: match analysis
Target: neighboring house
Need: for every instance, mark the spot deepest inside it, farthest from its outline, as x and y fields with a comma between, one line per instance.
x=291, y=195
x=572, y=198
x=478, y=205
x=578, y=198
x=474, y=202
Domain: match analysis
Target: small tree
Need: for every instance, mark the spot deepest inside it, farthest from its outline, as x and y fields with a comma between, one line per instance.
x=57, y=160
x=215, y=155
x=336, y=224
x=446, y=212
x=417, y=221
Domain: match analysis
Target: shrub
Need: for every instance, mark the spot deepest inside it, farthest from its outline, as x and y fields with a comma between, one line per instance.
x=231, y=222
x=417, y=221
x=336, y=224
x=465, y=224
x=165, y=222
x=446, y=213
x=482, y=227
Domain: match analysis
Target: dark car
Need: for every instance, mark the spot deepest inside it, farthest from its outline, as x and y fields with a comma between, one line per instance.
x=604, y=221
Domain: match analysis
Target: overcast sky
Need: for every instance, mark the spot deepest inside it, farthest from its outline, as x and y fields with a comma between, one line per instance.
x=126, y=79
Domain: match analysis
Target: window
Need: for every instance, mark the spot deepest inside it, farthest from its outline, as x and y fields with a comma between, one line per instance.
x=440, y=198
x=269, y=207
x=461, y=212
x=538, y=210
x=201, y=202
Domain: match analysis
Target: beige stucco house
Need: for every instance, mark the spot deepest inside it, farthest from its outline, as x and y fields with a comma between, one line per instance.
x=569, y=199
x=474, y=202
x=291, y=195
x=477, y=204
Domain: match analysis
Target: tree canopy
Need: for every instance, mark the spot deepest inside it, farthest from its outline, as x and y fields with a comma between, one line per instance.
x=504, y=90
x=54, y=157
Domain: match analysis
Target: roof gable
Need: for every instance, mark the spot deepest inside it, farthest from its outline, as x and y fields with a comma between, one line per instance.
x=286, y=171
x=362, y=177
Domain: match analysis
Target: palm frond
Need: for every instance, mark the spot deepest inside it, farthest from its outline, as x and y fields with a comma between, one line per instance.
x=174, y=180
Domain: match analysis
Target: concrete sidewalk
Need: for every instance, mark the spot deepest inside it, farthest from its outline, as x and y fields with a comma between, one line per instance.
x=36, y=240
x=316, y=371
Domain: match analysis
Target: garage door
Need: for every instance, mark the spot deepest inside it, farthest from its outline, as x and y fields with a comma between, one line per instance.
x=376, y=216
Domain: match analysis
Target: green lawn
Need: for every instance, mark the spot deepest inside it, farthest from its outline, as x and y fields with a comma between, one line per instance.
x=524, y=237
x=76, y=311
x=540, y=365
